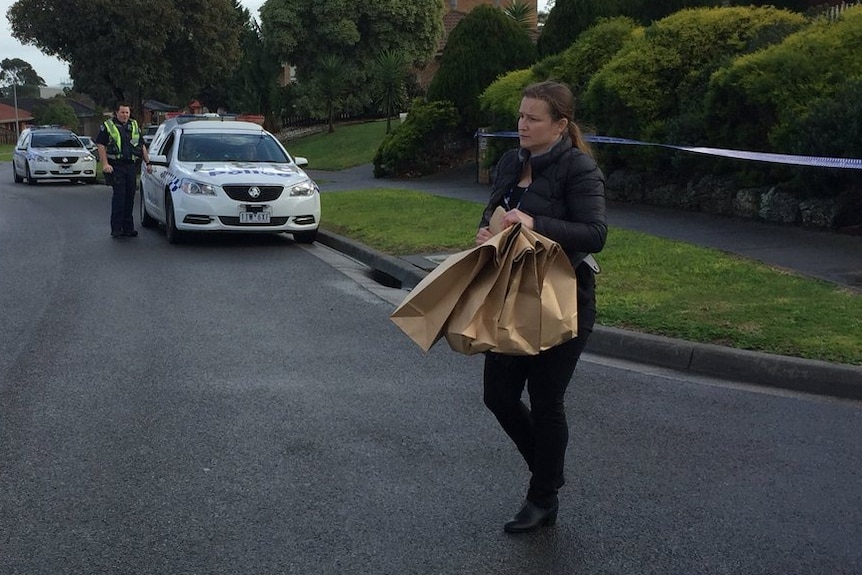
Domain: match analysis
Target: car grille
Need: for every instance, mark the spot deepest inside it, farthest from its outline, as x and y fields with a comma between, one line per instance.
x=65, y=159
x=234, y=221
x=241, y=193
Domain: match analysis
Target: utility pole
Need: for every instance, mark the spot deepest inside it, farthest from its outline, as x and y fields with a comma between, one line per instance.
x=17, y=123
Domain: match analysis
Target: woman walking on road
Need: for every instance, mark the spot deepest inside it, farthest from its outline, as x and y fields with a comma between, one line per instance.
x=552, y=185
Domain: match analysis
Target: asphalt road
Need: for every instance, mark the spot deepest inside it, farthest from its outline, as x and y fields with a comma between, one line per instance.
x=244, y=405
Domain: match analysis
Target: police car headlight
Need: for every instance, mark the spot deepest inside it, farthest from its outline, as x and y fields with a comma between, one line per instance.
x=38, y=158
x=306, y=188
x=194, y=188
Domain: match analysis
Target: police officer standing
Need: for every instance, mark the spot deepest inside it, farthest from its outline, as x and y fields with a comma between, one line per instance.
x=121, y=147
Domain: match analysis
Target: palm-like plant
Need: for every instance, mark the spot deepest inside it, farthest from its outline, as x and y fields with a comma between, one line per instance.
x=520, y=12
x=331, y=79
x=390, y=70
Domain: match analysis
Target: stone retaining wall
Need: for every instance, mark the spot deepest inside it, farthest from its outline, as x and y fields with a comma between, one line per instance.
x=720, y=195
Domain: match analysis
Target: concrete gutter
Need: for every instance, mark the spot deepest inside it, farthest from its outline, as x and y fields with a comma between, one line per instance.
x=791, y=373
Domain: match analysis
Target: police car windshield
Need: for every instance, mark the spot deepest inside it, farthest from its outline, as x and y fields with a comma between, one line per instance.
x=55, y=141
x=221, y=147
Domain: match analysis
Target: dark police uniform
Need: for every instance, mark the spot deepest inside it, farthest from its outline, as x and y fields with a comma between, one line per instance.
x=124, y=160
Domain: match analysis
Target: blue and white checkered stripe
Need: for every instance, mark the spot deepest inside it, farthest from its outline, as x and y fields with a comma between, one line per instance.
x=174, y=183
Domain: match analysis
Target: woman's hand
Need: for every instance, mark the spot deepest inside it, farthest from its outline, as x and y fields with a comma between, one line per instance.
x=512, y=217
x=483, y=235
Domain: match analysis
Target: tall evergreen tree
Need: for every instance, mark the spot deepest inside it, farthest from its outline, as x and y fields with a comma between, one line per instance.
x=484, y=45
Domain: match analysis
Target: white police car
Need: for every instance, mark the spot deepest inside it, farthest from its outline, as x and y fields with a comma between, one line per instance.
x=49, y=153
x=218, y=174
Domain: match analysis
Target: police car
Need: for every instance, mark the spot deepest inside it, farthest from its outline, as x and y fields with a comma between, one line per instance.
x=48, y=153
x=214, y=173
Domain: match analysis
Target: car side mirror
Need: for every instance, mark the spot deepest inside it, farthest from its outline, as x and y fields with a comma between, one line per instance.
x=299, y=161
x=158, y=160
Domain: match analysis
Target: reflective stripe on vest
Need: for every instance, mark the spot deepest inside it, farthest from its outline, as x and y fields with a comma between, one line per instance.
x=115, y=148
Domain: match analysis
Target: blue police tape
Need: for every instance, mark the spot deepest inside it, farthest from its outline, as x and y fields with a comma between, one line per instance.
x=820, y=162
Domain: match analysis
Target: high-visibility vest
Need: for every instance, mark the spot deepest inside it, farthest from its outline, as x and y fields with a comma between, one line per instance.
x=115, y=147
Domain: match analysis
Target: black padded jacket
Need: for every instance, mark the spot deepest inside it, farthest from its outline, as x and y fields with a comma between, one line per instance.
x=566, y=198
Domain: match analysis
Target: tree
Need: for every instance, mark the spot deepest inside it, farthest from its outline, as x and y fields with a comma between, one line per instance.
x=302, y=31
x=56, y=113
x=390, y=73
x=484, y=45
x=251, y=85
x=20, y=73
x=166, y=49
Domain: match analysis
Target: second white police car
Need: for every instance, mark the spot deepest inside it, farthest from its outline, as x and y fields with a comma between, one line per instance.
x=220, y=174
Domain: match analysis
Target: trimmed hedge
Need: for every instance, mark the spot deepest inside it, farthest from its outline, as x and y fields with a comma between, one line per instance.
x=654, y=87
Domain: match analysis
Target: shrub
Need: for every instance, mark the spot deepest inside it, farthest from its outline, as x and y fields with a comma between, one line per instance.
x=757, y=102
x=663, y=74
x=569, y=18
x=423, y=143
x=593, y=48
x=831, y=127
x=500, y=101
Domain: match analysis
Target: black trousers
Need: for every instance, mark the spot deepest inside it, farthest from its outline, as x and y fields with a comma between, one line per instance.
x=124, y=184
x=540, y=431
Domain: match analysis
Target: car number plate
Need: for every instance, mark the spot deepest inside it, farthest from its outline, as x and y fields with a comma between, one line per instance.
x=259, y=216
x=65, y=169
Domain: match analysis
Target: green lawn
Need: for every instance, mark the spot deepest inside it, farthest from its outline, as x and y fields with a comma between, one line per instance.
x=349, y=145
x=6, y=152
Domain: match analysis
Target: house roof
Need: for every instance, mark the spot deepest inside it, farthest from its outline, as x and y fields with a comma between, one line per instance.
x=450, y=20
x=7, y=114
x=156, y=106
x=81, y=110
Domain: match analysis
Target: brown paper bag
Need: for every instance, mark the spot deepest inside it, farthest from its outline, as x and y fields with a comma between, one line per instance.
x=514, y=294
x=427, y=308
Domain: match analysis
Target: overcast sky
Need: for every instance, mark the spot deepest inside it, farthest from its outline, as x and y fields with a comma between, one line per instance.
x=54, y=71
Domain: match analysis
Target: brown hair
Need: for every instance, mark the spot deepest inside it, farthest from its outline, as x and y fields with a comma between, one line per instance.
x=561, y=102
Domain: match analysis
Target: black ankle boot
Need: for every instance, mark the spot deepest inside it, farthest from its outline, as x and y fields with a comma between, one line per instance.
x=531, y=517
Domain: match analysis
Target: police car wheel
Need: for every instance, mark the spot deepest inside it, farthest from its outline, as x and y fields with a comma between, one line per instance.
x=173, y=234
x=30, y=180
x=147, y=221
